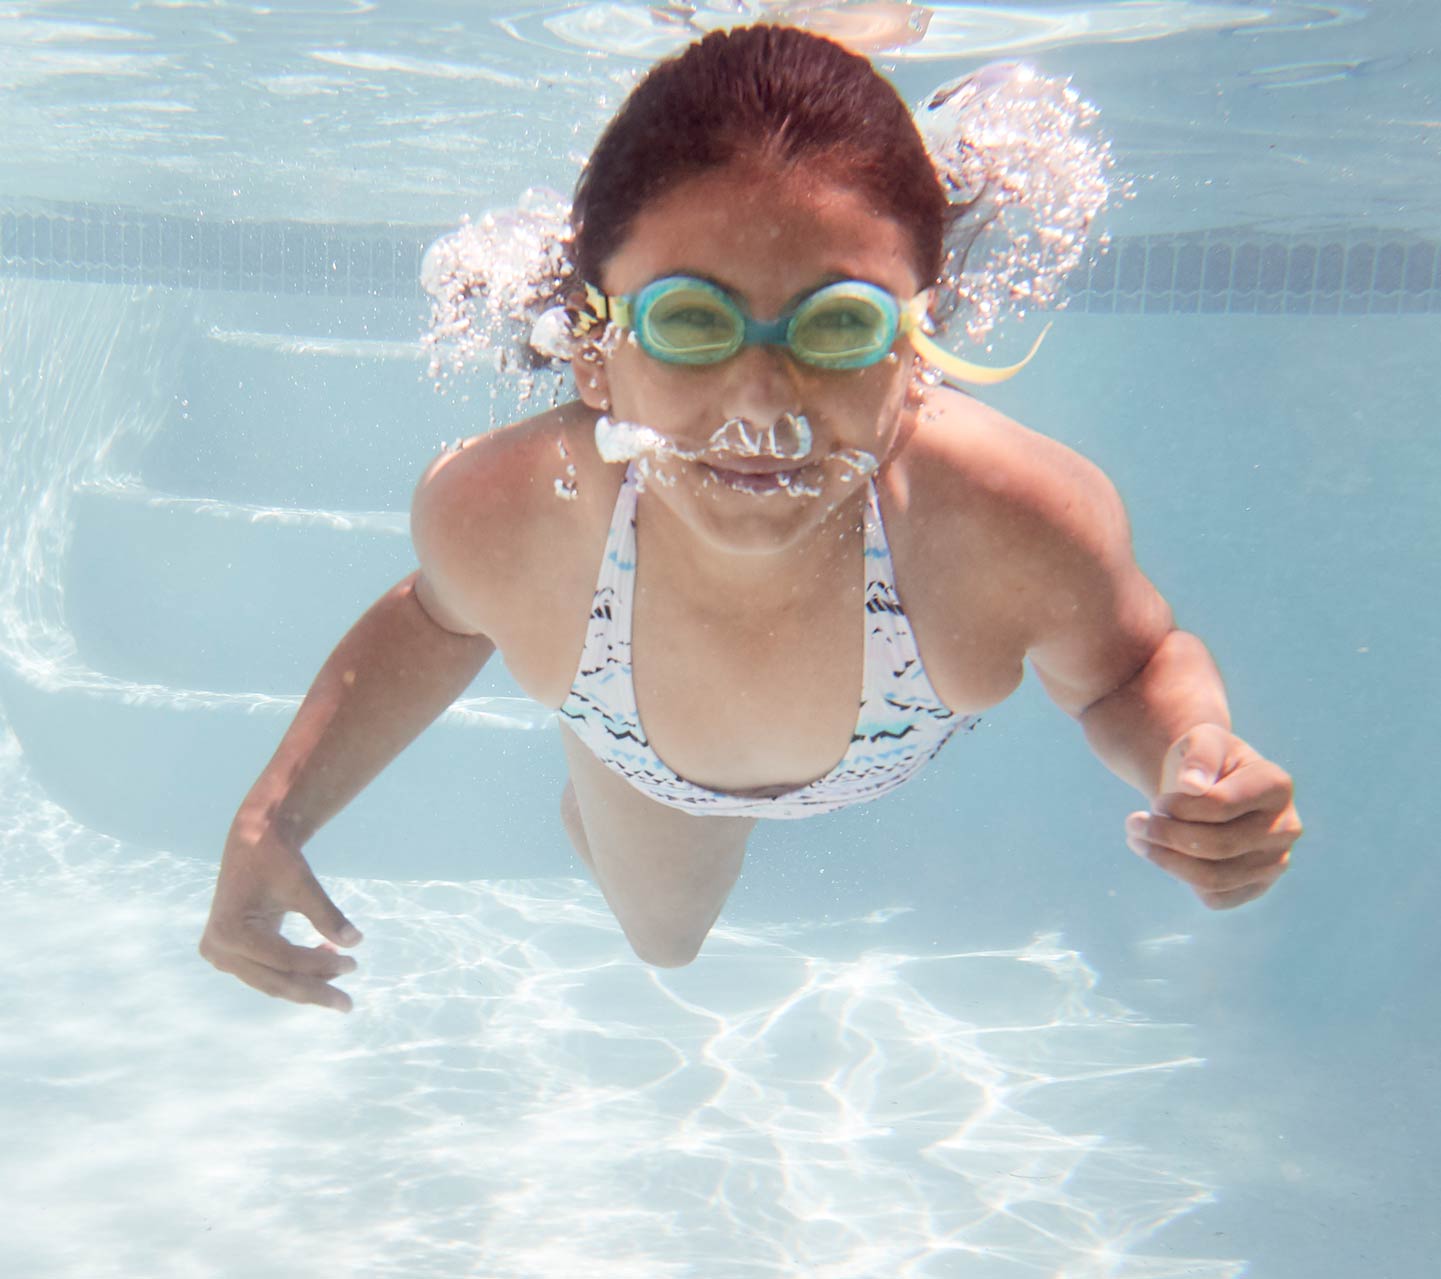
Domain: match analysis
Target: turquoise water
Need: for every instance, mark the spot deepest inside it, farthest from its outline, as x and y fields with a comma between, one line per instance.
x=961, y=1032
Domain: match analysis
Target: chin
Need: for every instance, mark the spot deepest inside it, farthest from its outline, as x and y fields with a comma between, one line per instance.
x=757, y=515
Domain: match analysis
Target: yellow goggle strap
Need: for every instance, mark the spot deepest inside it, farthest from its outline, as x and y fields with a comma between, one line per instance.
x=952, y=365
x=606, y=309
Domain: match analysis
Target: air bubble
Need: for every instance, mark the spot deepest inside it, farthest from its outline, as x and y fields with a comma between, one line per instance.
x=493, y=286
x=1017, y=152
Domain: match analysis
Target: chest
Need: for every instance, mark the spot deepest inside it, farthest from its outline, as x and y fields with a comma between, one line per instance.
x=738, y=693
x=750, y=695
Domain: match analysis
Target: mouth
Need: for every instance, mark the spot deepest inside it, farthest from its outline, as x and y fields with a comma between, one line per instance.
x=755, y=479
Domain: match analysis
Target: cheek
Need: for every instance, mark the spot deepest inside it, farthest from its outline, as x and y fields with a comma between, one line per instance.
x=647, y=390
x=870, y=401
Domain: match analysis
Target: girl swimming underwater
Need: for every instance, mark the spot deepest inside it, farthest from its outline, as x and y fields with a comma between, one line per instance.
x=789, y=568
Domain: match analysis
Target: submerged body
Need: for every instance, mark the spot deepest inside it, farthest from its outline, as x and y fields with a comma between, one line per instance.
x=745, y=601
x=759, y=691
x=1003, y=546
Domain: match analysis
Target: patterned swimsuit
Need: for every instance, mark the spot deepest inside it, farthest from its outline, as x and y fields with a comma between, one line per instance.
x=901, y=725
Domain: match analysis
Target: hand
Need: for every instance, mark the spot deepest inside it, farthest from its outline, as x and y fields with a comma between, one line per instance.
x=1224, y=821
x=261, y=878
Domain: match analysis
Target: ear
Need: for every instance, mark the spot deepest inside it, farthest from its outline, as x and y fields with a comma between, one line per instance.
x=591, y=379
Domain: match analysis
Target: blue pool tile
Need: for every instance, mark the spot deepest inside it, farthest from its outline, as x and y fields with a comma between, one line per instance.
x=130, y=255
x=1360, y=267
x=230, y=250
x=69, y=240
x=317, y=263
x=1420, y=267
x=1131, y=269
x=1390, y=266
x=1189, y=263
x=1160, y=269
x=272, y=250
x=210, y=251
x=382, y=268
x=1330, y=268
x=142, y=248
x=1246, y=268
x=1217, y=276
x=292, y=260
x=189, y=239
x=1301, y=270
x=358, y=258
x=1103, y=273
x=170, y=235
x=252, y=251
x=77, y=229
x=1273, y=269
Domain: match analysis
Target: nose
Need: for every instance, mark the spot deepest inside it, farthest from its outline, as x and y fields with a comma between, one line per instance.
x=763, y=384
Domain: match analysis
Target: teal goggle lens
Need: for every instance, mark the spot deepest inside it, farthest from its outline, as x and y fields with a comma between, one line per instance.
x=848, y=325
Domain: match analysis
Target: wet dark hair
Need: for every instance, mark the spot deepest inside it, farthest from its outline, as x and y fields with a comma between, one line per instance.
x=775, y=95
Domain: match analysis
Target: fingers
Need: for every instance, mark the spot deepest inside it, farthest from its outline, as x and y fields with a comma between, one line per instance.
x=274, y=966
x=1230, y=900
x=264, y=945
x=330, y=923
x=1220, y=884
x=1228, y=863
x=262, y=879
x=1213, y=840
x=1225, y=822
x=297, y=988
x=312, y=901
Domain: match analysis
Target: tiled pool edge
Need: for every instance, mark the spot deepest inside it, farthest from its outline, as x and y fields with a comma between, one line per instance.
x=1224, y=271
x=1242, y=271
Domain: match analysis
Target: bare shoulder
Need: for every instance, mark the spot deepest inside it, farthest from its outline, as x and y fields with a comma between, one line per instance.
x=502, y=518
x=1015, y=528
x=972, y=465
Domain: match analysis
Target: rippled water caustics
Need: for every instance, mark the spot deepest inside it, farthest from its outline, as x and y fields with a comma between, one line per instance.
x=353, y=111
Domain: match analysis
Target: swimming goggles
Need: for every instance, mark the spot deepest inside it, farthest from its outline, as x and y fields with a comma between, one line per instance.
x=681, y=319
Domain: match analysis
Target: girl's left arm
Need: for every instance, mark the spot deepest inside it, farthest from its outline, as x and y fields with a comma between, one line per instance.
x=1221, y=817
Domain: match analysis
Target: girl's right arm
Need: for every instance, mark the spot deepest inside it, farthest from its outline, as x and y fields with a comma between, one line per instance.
x=393, y=673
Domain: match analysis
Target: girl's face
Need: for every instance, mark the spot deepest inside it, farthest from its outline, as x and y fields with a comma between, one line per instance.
x=768, y=240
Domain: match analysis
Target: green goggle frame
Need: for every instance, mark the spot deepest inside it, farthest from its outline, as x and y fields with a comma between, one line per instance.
x=851, y=324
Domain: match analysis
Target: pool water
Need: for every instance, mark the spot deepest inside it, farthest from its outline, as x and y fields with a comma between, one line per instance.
x=959, y=1032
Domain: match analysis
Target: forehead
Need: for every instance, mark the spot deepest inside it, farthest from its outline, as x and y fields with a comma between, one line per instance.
x=765, y=236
